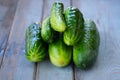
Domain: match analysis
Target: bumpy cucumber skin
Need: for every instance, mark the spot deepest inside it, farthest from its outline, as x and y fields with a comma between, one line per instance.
x=35, y=51
x=86, y=51
x=57, y=18
x=60, y=54
x=47, y=33
x=75, y=22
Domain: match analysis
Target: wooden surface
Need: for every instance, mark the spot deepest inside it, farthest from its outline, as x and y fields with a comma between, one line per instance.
x=16, y=15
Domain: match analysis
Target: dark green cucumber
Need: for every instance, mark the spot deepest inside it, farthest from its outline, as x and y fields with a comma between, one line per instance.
x=47, y=33
x=35, y=47
x=85, y=52
x=57, y=19
x=60, y=54
x=75, y=23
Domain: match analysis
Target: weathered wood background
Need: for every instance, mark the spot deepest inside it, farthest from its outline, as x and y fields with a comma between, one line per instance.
x=16, y=15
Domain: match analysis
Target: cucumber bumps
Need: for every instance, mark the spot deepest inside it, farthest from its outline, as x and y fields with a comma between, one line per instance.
x=47, y=33
x=35, y=47
x=75, y=22
x=85, y=52
x=57, y=18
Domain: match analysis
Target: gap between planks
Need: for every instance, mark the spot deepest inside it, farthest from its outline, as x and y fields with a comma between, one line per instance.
x=36, y=64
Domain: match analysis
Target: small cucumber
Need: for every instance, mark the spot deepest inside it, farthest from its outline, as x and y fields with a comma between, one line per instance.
x=57, y=18
x=85, y=52
x=35, y=51
x=47, y=33
x=75, y=23
x=60, y=54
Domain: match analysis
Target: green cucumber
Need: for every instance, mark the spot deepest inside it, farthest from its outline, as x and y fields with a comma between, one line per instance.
x=47, y=33
x=86, y=51
x=35, y=47
x=60, y=54
x=75, y=22
x=57, y=18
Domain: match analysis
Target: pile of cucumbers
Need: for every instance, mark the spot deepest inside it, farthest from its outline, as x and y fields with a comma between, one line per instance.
x=65, y=36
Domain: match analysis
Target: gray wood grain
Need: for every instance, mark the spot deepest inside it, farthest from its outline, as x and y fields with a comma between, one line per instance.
x=15, y=66
x=45, y=70
x=105, y=13
x=6, y=19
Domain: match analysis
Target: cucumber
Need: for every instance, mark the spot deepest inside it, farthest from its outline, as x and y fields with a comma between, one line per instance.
x=75, y=22
x=57, y=18
x=47, y=33
x=35, y=51
x=60, y=54
x=86, y=51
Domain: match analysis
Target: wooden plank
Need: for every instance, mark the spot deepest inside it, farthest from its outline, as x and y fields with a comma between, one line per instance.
x=105, y=13
x=7, y=13
x=15, y=66
x=8, y=3
x=45, y=70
